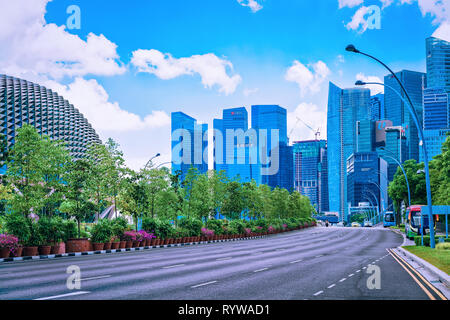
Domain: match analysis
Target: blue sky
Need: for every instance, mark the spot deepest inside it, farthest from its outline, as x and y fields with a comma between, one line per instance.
x=210, y=55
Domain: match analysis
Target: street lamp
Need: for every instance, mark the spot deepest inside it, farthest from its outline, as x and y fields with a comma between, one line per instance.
x=412, y=111
x=150, y=161
x=403, y=170
x=376, y=199
x=159, y=165
x=372, y=218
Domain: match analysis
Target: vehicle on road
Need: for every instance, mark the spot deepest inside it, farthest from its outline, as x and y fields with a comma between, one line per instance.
x=414, y=220
x=355, y=224
x=368, y=223
x=388, y=219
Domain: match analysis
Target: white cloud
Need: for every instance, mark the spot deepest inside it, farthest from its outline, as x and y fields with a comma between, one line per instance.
x=443, y=32
x=374, y=89
x=247, y=92
x=29, y=45
x=312, y=115
x=349, y=3
x=212, y=70
x=306, y=79
x=252, y=4
x=359, y=20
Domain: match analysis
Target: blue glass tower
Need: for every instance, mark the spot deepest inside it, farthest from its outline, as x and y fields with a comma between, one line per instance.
x=345, y=108
x=266, y=118
x=365, y=130
x=377, y=107
x=189, y=144
x=438, y=63
x=398, y=113
x=310, y=176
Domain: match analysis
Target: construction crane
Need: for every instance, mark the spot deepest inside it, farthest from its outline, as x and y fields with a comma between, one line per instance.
x=316, y=132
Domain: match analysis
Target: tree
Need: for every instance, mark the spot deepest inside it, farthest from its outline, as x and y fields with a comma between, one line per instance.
x=253, y=200
x=115, y=170
x=279, y=203
x=233, y=203
x=77, y=203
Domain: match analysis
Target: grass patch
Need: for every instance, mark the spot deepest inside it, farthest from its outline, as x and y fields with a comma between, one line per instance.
x=438, y=258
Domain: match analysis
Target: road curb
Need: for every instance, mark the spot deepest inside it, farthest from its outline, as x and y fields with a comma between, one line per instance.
x=439, y=274
x=77, y=254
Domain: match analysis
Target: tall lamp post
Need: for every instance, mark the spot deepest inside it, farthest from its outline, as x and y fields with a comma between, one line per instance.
x=376, y=200
x=371, y=209
x=412, y=111
x=150, y=160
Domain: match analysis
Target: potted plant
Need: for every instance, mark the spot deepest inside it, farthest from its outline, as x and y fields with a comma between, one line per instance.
x=115, y=243
x=101, y=232
x=128, y=237
x=8, y=245
x=34, y=240
x=17, y=225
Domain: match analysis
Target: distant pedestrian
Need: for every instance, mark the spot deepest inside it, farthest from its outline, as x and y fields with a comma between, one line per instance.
x=326, y=223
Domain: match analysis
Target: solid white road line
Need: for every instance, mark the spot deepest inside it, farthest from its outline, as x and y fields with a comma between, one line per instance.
x=64, y=295
x=93, y=278
x=174, y=266
x=259, y=270
x=203, y=284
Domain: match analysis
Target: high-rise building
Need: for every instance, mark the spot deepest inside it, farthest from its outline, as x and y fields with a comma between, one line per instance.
x=345, y=108
x=365, y=140
x=398, y=112
x=310, y=172
x=438, y=63
x=23, y=102
x=377, y=107
x=366, y=179
x=277, y=168
x=436, y=97
x=189, y=144
x=395, y=144
x=234, y=146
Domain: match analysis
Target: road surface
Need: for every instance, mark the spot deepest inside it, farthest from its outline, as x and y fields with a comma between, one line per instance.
x=315, y=263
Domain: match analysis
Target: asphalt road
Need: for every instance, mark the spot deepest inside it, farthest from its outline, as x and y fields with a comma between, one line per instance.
x=316, y=263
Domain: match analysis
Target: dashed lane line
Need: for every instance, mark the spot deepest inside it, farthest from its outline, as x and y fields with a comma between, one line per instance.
x=203, y=284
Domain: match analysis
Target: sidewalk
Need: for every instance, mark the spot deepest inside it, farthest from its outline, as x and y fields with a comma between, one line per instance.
x=435, y=276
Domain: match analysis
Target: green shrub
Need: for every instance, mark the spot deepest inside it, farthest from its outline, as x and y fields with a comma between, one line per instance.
x=216, y=226
x=426, y=240
x=119, y=225
x=164, y=230
x=192, y=224
x=35, y=238
x=69, y=229
x=237, y=226
x=47, y=227
x=149, y=224
x=443, y=246
x=17, y=225
x=263, y=223
x=102, y=231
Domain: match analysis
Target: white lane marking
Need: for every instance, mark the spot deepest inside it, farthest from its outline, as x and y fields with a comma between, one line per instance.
x=203, y=284
x=317, y=293
x=99, y=277
x=226, y=258
x=259, y=270
x=359, y=270
x=364, y=268
x=343, y=279
x=331, y=286
x=64, y=295
x=350, y=275
x=320, y=255
x=174, y=266
x=295, y=261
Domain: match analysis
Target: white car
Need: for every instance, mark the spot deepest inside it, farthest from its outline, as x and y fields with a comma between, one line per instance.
x=368, y=223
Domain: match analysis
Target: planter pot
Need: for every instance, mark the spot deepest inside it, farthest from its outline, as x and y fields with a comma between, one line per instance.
x=122, y=244
x=30, y=251
x=17, y=252
x=107, y=246
x=129, y=244
x=152, y=242
x=115, y=245
x=77, y=245
x=45, y=250
x=58, y=248
x=136, y=243
x=4, y=253
x=98, y=246
x=147, y=242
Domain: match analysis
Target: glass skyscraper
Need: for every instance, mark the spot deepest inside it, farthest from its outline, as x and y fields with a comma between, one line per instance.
x=189, y=144
x=365, y=130
x=436, y=104
x=310, y=172
x=345, y=108
x=377, y=107
x=266, y=118
x=398, y=113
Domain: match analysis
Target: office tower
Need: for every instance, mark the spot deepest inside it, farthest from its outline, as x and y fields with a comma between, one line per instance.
x=377, y=107
x=366, y=179
x=365, y=130
x=380, y=132
x=278, y=172
x=310, y=176
x=398, y=112
x=436, y=104
x=345, y=108
x=438, y=63
x=396, y=146
x=24, y=102
x=234, y=147
x=189, y=144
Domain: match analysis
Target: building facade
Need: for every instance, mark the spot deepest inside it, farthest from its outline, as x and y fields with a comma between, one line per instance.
x=345, y=108
x=310, y=172
x=22, y=101
x=438, y=63
x=189, y=144
x=377, y=107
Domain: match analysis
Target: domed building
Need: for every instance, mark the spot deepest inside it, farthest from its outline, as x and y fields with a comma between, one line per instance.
x=22, y=101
